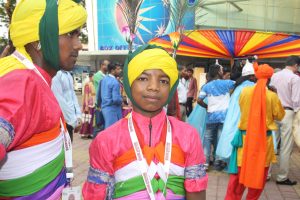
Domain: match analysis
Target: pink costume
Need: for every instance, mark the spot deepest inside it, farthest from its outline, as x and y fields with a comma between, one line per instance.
x=31, y=144
x=115, y=174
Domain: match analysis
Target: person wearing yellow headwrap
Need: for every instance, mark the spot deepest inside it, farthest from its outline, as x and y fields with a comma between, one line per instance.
x=253, y=149
x=149, y=56
x=119, y=171
x=45, y=35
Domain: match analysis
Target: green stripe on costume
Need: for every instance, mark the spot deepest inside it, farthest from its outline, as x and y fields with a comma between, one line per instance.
x=136, y=184
x=33, y=182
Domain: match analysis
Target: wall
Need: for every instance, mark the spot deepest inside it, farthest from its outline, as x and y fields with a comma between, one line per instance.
x=264, y=15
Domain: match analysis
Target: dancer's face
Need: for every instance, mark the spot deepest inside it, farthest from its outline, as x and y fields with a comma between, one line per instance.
x=150, y=91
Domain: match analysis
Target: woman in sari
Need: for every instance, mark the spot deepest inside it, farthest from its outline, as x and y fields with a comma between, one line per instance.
x=88, y=108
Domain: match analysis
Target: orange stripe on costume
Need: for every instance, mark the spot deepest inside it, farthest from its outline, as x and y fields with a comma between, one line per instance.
x=149, y=153
x=40, y=138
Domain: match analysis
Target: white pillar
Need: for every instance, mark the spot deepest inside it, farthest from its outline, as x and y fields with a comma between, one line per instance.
x=92, y=24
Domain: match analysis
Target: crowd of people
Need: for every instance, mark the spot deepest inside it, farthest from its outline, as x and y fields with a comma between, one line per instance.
x=223, y=114
x=155, y=133
x=247, y=121
x=103, y=103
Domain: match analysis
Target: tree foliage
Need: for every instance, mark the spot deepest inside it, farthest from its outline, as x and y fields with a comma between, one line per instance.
x=6, y=9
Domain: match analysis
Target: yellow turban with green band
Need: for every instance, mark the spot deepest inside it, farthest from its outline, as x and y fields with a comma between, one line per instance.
x=56, y=20
x=149, y=57
x=153, y=59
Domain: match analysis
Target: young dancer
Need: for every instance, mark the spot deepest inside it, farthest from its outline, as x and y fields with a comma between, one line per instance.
x=147, y=155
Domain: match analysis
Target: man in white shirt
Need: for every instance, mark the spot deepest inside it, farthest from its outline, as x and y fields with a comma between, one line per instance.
x=63, y=89
x=182, y=89
x=287, y=85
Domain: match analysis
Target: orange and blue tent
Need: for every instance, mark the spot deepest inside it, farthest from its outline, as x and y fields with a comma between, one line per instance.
x=231, y=43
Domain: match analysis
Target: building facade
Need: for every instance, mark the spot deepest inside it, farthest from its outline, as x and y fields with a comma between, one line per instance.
x=263, y=15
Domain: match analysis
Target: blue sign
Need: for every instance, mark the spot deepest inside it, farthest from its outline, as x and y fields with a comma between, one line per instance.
x=154, y=21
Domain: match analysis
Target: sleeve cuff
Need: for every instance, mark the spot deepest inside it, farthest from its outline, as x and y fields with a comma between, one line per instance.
x=78, y=115
x=7, y=133
x=73, y=124
x=94, y=191
x=196, y=185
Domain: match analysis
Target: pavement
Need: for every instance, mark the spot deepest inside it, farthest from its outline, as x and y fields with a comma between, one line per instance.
x=217, y=183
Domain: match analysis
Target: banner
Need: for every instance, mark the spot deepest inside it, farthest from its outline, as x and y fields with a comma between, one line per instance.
x=154, y=20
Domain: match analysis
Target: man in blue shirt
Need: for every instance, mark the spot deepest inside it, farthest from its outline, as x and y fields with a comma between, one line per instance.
x=97, y=79
x=217, y=92
x=111, y=99
x=63, y=89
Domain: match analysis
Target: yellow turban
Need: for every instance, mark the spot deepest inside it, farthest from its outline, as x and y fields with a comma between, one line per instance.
x=24, y=26
x=153, y=59
x=149, y=57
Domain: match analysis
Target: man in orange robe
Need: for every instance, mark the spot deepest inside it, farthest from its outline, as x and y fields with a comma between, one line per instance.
x=253, y=148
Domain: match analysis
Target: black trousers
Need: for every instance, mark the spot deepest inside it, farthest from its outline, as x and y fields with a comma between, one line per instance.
x=70, y=130
x=189, y=105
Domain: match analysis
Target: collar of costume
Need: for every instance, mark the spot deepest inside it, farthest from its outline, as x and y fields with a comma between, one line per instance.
x=149, y=57
x=143, y=120
x=255, y=147
x=47, y=20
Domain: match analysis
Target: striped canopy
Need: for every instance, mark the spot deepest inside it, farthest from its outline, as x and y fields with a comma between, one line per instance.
x=231, y=43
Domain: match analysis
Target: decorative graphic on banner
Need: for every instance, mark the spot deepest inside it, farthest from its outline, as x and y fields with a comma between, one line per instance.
x=155, y=21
